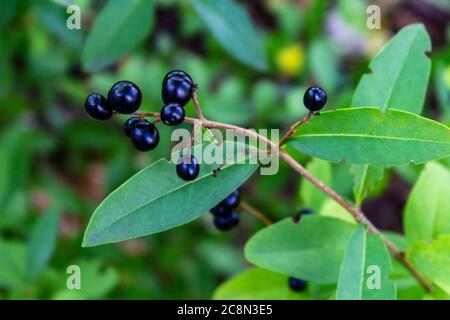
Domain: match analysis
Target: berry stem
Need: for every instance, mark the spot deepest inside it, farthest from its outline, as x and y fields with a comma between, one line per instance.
x=295, y=127
x=275, y=148
x=255, y=212
x=198, y=109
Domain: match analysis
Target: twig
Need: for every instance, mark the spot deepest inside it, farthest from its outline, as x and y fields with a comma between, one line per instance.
x=295, y=127
x=198, y=109
x=255, y=212
x=356, y=213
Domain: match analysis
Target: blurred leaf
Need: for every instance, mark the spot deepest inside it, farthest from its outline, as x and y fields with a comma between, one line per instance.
x=365, y=177
x=363, y=252
x=96, y=282
x=369, y=136
x=314, y=16
x=42, y=243
x=9, y=9
x=257, y=284
x=323, y=61
x=232, y=28
x=12, y=264
x=333, y=209
x=442, y=90
x=312, y=197
x=354, y=13
x=400, y=73
x=427, y=212
x=137, y=209
x=311, y=250
x=433, y=260
x=119, y=28
x=223, y=258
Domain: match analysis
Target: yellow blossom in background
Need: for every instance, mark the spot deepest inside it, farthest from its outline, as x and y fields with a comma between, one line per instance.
x=290, y=59
x=446, y=76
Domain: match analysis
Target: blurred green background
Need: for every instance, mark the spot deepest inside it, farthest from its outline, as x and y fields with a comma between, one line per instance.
x=57, y=164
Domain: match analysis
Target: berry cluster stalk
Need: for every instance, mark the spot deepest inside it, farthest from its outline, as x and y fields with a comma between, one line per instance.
x=297, y=167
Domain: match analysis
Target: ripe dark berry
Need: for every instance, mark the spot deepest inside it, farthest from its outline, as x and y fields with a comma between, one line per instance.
x=97, y=107
x=179, y=73
x=225, y=223
x=125, y=97
x=315, y=98
x=297, y=285
x=227, y=205
x=172, y=114
x=188, y=170
x=177, y=89
x=144, y=135
x=129, y=125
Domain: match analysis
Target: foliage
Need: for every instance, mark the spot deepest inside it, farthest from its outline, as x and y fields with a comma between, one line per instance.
x=70, y=184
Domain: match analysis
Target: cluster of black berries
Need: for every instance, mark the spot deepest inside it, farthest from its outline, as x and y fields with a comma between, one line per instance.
x=315, y=99
x=297, y=285
x=125, y=97
x=225, y=215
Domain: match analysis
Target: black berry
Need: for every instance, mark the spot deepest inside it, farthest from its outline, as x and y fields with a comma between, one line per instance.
x=129, y=125
x=172, y=114
x=227, y=205
x=125, y=97
x=297, y=285
x=179, y=73
x=97, y=107
x=177, y=88
x=315, y=98
x=225, y=223
x=188, y=170
x=144, y=135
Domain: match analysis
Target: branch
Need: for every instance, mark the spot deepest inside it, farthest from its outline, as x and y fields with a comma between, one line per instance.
x=255, y=212
x=295, y=127
x=354, y=211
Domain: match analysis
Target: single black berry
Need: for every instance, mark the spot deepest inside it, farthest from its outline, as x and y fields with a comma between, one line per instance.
x=125, y=97
x=225, y=223
x=129, y=125
x=97, y=107
x=177, y=89
x=188, y=168
x=297, y=285
x=172, y=114
x=227, y=205
x=144, y=135
x=315, y=98
x=179, y=73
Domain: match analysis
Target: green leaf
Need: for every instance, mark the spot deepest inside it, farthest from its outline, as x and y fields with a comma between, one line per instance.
x=433, y=261
x=257, y=284
x=400, y=73
x=42, y=243
x=369, y=136
x=232, y=28
x=323, y=61
x=427, y=212
x=365, y=269
x=312, y=249
x=364, y=179
x=156, y=199
x=334, y=210
x=119, y=28
x=12, y=264
x=310, y=195
x=9, y=9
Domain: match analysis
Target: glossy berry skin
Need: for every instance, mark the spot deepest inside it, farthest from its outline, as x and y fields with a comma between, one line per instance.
x=225, y=223
x=97, y=107
x=129, y=124
x=125, y=97
x=315, y=98
x=297, y=285
x=188, y=171
x=177, y=89
x=172, y=114
x=179, y=73
x=305, y=212
x=144, y=135
x=227, y=205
